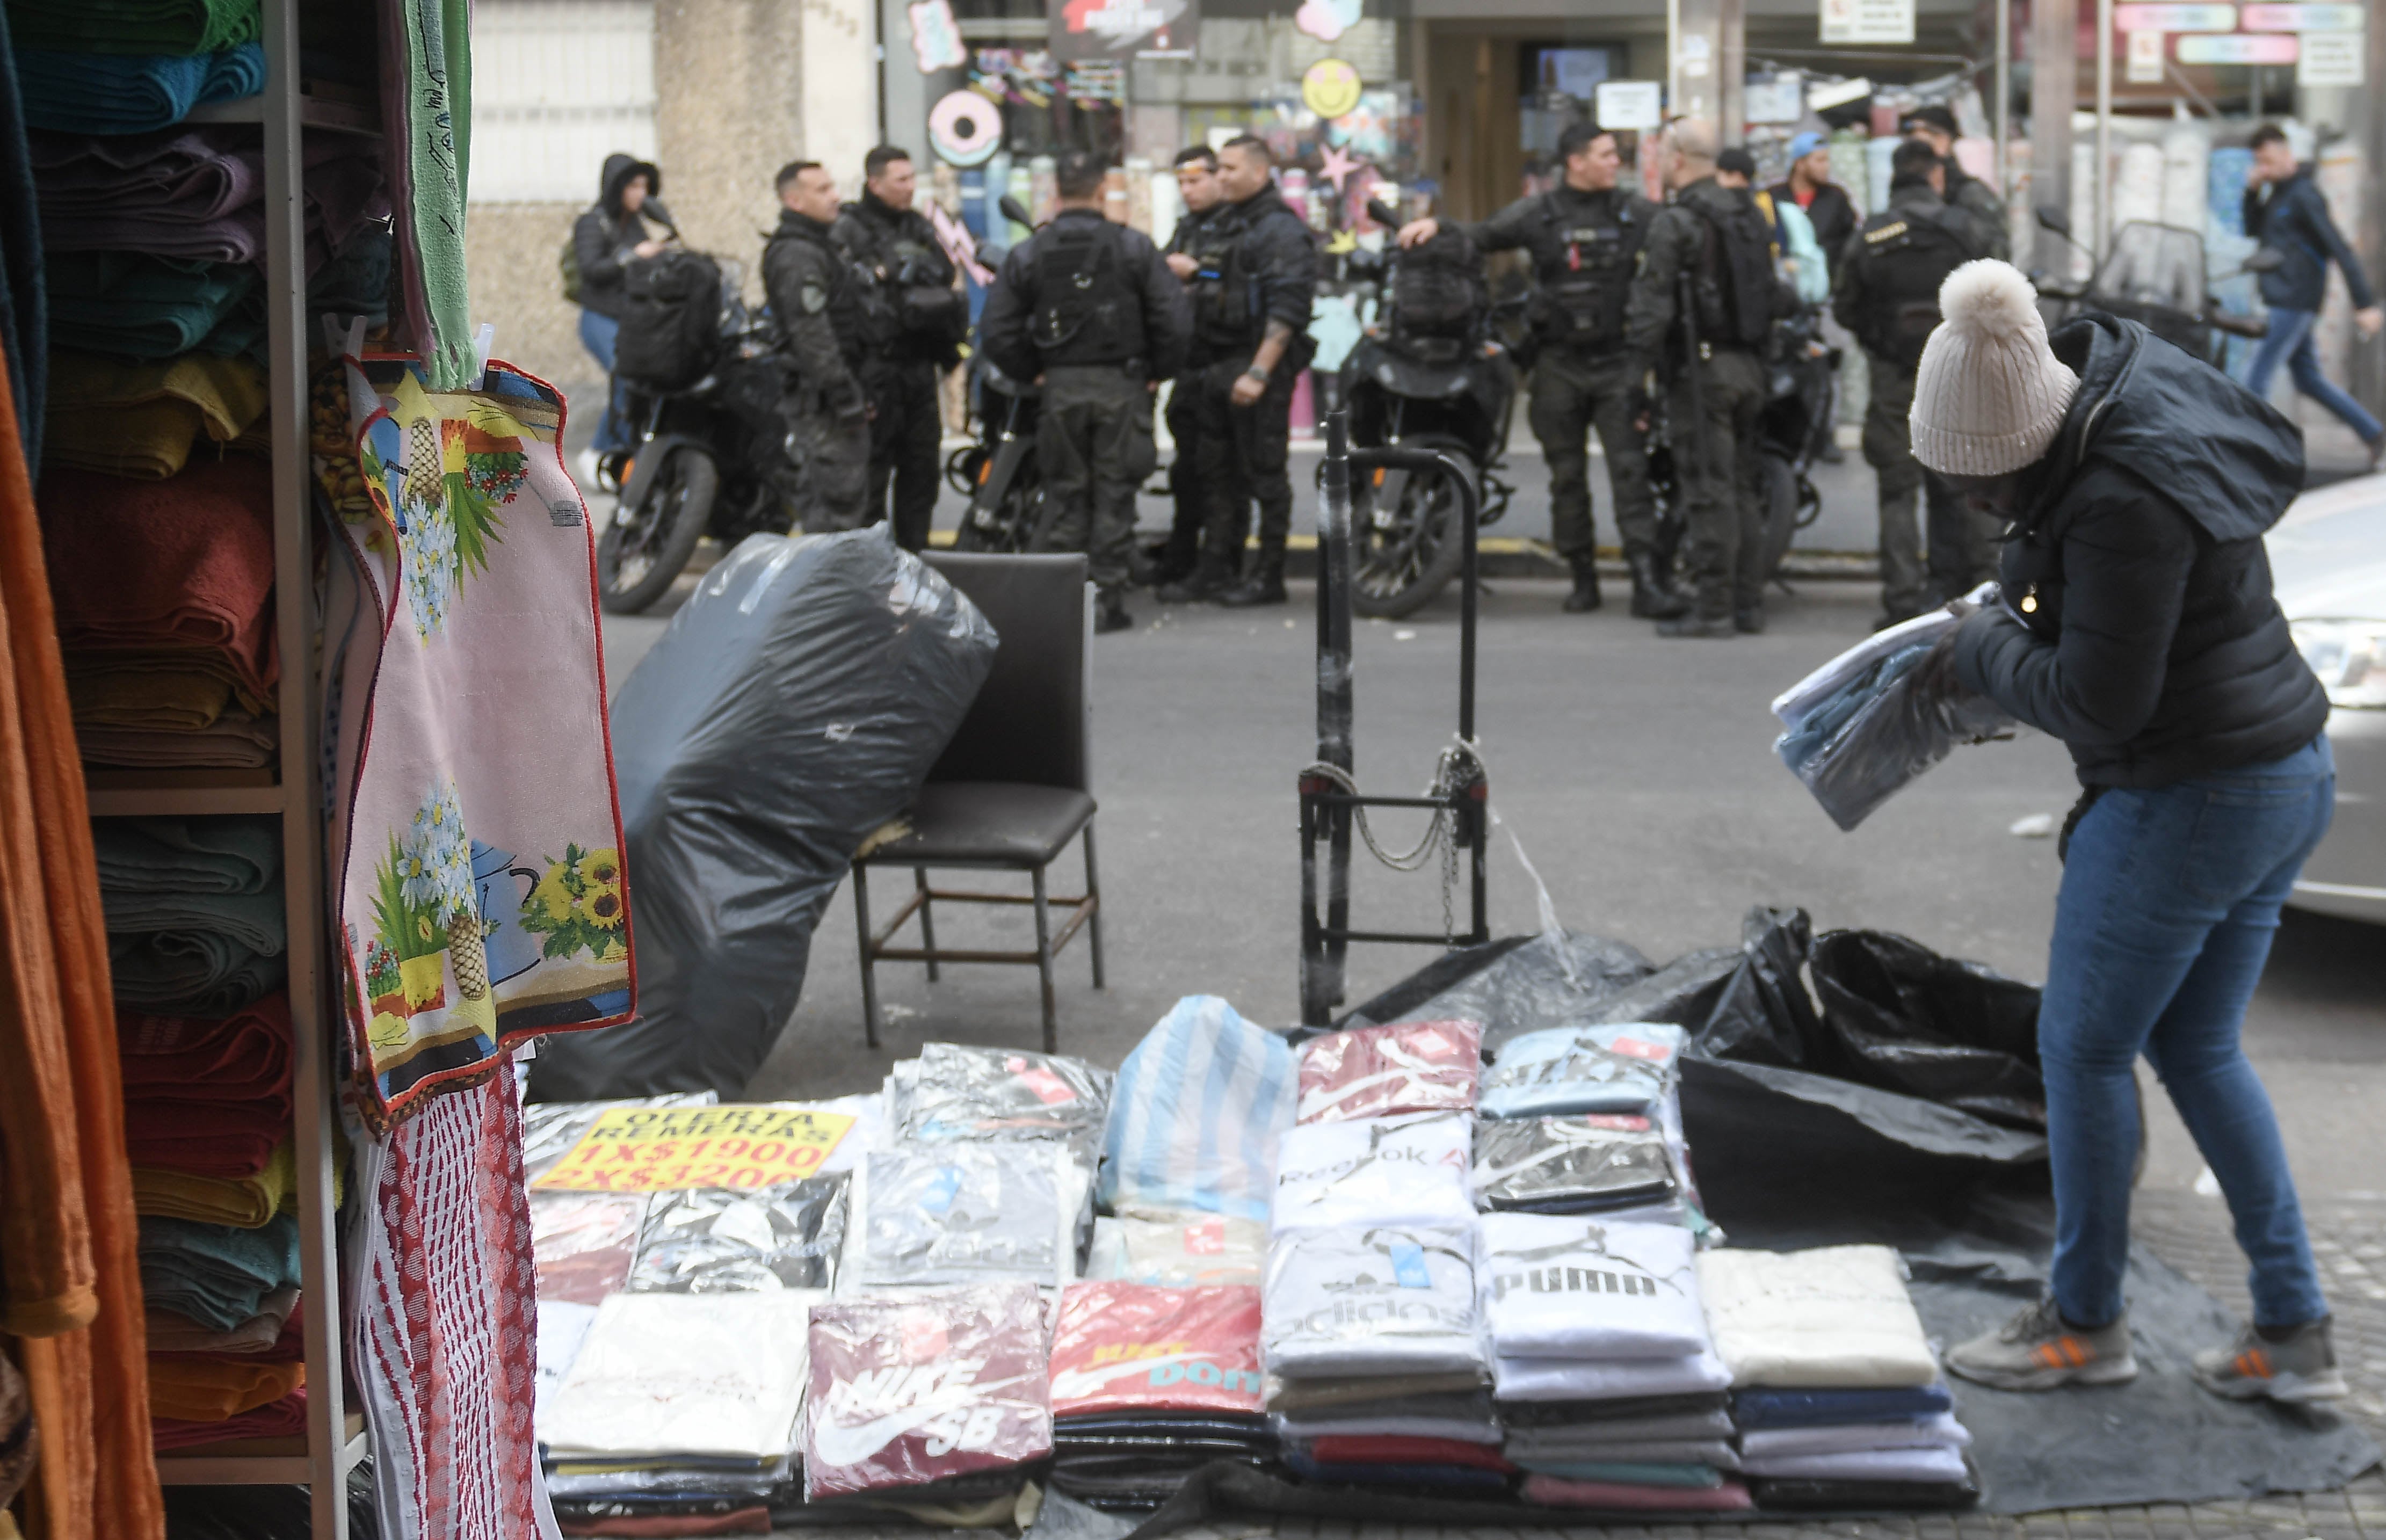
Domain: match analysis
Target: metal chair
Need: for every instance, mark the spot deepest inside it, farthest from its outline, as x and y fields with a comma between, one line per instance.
x=1013, y=787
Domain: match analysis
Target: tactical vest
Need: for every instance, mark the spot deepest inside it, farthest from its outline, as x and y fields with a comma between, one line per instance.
x=1583, y=264
x=1733, y=285
x=1907, y=255
x=910, y=295
x=1221, y=291
x=846, y=311
x=1087, y=309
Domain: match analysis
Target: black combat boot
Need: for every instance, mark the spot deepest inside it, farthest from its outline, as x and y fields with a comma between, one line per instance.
x=1265, y=585
x=1111, y=615
x=1651, y=600
x=1585, y=597
x=1211, y=576
x=1695, y=625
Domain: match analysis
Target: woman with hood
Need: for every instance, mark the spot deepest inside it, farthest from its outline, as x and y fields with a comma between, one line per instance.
x=605, y=240
x=2136, y=623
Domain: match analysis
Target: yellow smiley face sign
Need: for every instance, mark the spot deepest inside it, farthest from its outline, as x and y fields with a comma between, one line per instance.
x=1330, y=88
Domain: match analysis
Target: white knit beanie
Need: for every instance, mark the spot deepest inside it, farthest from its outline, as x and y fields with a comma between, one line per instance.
x=1990, y=395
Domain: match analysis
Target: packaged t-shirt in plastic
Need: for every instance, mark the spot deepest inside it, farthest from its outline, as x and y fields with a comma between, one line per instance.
x=1137, y=1348
x=715, y=1376
x=1401, y=1170
x=1834, y=1317
x=1597, y=1160
x=1195, y=1114
x=1594, y=1379
x=1392, y=1300
x=584, y=1243
x=723, y=1240
x=955, y=1092
x=906, y=1392
x=1188, y=1249
x=967, y=1213
x=1380, y=1072
x=1622, y=1066
x=1561, y=1287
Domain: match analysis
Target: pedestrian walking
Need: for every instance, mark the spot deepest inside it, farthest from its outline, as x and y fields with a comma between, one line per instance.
x=816, y=302
x=2285, y=211
x=1935, y=126
x=613, y=233
x=1089, y=310
x=2138, y=626
x=1201, y=251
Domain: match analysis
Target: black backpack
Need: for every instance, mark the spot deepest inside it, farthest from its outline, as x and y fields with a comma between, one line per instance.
x=1735, y=286
x=1438, y=291
x=1087, y=309
x=670, y=321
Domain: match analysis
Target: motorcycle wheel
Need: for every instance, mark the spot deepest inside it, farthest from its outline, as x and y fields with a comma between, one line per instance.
x=1015, y=517
x=1400, y=561
x=645, y=548
x=1781, y=512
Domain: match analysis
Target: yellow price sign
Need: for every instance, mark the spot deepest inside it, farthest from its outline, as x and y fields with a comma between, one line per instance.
x=655, y=1149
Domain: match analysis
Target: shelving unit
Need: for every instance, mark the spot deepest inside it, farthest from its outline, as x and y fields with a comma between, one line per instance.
x=335, y=1438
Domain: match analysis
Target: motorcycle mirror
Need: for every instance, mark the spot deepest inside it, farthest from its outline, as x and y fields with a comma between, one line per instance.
x=1012, y=211
x=2265, y=259
x=1381, y=212
x=2055, y=219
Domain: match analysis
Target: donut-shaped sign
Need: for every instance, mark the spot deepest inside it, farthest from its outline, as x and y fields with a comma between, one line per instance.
x=965, y=128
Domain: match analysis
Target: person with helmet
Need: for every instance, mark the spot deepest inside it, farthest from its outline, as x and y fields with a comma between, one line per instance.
x=814, y=301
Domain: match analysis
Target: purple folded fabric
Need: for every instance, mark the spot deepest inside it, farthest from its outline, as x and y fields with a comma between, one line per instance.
x=186, y=193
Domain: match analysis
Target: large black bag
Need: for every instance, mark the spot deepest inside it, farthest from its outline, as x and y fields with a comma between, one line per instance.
x=1437, y=289
x=1905, y=1019
x=670, y=321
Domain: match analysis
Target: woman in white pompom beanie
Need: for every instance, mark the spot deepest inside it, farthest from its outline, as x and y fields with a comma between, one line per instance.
x=2136, y=624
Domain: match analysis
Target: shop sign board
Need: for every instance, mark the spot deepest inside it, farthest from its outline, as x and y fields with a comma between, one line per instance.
x=2331, y=59
x=1629, y=105
x=2238, y=48
x=655, y=1149
x=1123, y=29
x=2146, y=59
x=1868, y=20
x=2175, y=18
x=2305, y=19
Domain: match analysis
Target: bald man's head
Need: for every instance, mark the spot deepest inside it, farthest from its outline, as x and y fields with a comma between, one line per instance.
x=1691, y=147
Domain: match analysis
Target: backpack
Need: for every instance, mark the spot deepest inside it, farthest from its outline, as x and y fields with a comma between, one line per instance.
x=568, y=263
x=670, y=321
x=1437, y=291
x=1905, y=258
x=1088, y=311
x=1734, y=286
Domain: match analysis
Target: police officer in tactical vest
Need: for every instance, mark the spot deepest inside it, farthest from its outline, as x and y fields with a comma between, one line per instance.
x=1699, y=314
x=1935, y=125
x=1888, y=294
x=1584, y=236
x=915, y=320
x=1089, y=310
x=812, y=292
x=1254, y=319
x=1197, y=252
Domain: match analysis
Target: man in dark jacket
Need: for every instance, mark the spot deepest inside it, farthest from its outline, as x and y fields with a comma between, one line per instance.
x=1258, y=324
x=1935, y=126
x=2287, y=214
x=2136, y=623
x=1090, y=308
x=1700, y=313
x=916, y=319
x=1584, y=236
x=1198, y=250
x=1809, y=185
x=1886, y=290
x=815, y=301
x=605, y=240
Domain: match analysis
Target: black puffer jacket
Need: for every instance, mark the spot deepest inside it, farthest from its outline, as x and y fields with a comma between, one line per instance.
x=2138, y=624
x=603, y=237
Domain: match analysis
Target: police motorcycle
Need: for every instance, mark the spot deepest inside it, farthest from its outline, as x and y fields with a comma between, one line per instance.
x=998, y=473
x=2153, y=274
x=1794, y=425
x=706, y=380
x=1431, y=372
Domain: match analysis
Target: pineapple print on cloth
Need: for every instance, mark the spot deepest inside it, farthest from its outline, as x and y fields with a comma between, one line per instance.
x=475, y=840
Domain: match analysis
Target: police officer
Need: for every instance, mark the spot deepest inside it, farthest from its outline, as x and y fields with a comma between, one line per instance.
x=813, y=298
x=916, y=319
x=1256, y=319
x=1700, y=313
x=1089, y=310
x=1888, y=294
x=1585, y=237
x=1935, y=126
x=1200, y=246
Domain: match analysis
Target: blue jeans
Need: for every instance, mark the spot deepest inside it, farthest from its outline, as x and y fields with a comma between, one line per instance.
x=2169, y=899
x=2290, y=340
x=596, y=334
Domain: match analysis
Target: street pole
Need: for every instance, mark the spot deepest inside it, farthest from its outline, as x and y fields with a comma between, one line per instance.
x=2054, y=87
x=2001, y=120
x=2103, y=128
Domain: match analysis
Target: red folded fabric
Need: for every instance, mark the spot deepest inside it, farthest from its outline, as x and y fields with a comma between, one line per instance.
x=235, y=1157
x=185, y=1059
x=281, y=1419
x=744, y=1521
x=1557, y=1492
x=186, y=563
x=1396, y=1449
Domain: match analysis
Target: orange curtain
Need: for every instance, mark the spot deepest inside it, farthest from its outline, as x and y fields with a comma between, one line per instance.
x=70, y=1267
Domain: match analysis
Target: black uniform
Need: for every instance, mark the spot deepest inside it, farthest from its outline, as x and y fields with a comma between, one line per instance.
x=1886, y=293
x=1987, y=211
x=1712, y=243
x=1268, y=274
x=814, y=295
x=1091, y=308
x=1585, y=248
x=1208, y=238
x=916, y=320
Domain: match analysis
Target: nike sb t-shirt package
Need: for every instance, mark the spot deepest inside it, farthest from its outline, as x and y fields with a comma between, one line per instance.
x=1397, y=1171
x=1123, y=1348
x=1625, y=1067
x=908, y=1392
x=1381, y=1071
x=1391, y=1300
x=1562, y=1288
x=1581, y=1164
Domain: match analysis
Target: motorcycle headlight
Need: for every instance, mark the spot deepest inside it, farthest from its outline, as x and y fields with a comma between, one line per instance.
x=2349, y=659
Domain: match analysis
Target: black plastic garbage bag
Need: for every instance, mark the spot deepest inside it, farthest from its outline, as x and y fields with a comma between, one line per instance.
x=1903, y=1017
x=795, y=705
x=1547, y=981
x=1764, y=1015
x=1684, y=992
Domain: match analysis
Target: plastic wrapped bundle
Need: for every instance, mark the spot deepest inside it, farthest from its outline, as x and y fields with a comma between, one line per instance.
x=1626, y=1067
x=1572, y=1165
x=721, y=1240
x=1390, y=1302
x=952, y=1092
x=1389, y=1171
x=794, y=705
x=1195, y=1117
x=968, y=1213
x=1381, y=1071
x=633, y=1396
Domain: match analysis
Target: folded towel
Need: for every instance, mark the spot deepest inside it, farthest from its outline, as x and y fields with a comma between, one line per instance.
x=237, y=1057
x=247, y=1203
x=141, y=419
x=192, y=193
x=193, y=972
x=135, y=306
x=215, y=1274
x=233, y=741
x=271, y=1332
x=133, y=26
x=164, y=692
x=203, y=1389
x=253, y=921
x=235, y=855
x=282, y=1419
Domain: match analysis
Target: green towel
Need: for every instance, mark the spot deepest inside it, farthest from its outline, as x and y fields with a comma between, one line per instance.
x=188, y=854
x=134, y=306
x=438, y=86
x=133, y=26
x=215, y=1274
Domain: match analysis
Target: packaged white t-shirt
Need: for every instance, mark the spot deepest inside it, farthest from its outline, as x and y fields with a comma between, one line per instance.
x=1562, y=1287
x=1939, y=1432
x=1391, y=1170
x=1915, y=1465
x=1372, y=1300
x=1834, y=1317
x=1590, y=1380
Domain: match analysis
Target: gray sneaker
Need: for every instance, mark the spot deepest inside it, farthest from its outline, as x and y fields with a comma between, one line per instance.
x=2036, y=1351
x=2303, y=1368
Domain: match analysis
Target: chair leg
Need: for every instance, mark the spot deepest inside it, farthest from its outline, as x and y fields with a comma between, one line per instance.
x=868, y=957
x=927, y=920
x=1094, y=894
x=1044, y=966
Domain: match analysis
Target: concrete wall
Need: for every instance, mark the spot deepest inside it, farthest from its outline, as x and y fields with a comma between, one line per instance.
x=511, y=250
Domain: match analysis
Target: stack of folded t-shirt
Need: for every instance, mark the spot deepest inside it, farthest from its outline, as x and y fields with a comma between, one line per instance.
x=1840, y=1400
x=1604, y=1367
x=1382, y=1072
x=1150, y=1384
x=729, y=1240
x=1587, y=1120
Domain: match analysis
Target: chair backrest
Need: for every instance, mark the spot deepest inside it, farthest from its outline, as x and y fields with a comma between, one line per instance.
x=1031, y=721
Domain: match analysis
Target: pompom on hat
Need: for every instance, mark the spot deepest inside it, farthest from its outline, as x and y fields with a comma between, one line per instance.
x=1990, y=395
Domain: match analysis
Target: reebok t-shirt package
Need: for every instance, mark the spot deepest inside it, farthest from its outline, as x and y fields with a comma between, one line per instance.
x=1394, y=1170
x=1381, y=1071
x=1384, y=1300
x=1625, y=1067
